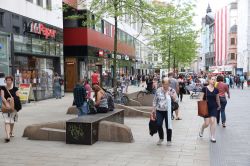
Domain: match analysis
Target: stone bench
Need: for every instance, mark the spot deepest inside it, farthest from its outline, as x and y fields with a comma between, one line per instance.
x=85, y=129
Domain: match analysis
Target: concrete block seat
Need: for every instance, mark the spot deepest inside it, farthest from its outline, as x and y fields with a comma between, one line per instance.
x=53, y=131
x=85, y=129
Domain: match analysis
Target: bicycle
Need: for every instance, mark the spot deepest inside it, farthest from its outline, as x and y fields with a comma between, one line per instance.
x=120, y=97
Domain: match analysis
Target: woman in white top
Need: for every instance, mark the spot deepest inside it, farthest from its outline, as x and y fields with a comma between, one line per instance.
x=162, y=109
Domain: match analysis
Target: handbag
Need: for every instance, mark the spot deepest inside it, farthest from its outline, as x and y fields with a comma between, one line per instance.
x=203, y=107
x=10, y=109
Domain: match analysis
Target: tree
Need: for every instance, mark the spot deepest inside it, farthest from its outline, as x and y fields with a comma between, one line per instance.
x=174, y=36
x=117, y=9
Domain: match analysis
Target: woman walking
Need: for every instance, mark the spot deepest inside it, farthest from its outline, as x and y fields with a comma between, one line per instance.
x=162, y=109
x=8, y=93
x=181, y=87
x=57, y=86
x=223, y=89
x=211, y=94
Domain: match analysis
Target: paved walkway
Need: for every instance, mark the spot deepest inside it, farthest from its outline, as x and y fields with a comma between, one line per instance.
x=187, y=148
x=233, y=147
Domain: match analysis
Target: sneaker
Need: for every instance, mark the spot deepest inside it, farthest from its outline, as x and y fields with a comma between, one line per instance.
x=169, y=143
x=213, y=140
x=160, y=142
x=223, y=125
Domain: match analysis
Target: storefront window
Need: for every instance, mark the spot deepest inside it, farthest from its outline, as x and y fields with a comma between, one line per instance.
x=38, y=72
x=22, y=44
x=58, y=52
x=4, y=53
x=38, y=46
x=52, y=48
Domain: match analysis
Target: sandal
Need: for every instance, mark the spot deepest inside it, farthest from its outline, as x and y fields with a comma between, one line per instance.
x=12, y=135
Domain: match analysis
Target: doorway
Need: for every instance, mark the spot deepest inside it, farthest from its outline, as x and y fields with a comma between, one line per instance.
x=70, y=74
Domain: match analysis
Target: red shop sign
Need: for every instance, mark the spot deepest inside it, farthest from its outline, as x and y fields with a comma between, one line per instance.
x=41, y=29
x=101, y=53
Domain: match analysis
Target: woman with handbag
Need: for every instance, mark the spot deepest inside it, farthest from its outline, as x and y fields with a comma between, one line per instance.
x=9, y=94
x=162, y=109
x=211, y=95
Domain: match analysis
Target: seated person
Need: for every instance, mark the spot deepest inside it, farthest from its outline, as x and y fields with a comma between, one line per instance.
x=101, y=100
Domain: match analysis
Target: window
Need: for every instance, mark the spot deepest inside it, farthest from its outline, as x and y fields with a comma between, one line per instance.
x=16, y=29
x=39, y=3
x=48, y=5
x=102, y=26
x=156, y=58
x=15, y=17
x=30, y=1
x=232, y=41
x=1, y=18
x=232, y=56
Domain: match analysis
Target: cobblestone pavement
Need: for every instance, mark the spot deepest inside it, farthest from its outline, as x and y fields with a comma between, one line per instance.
x=233, y=147
x=187, y=148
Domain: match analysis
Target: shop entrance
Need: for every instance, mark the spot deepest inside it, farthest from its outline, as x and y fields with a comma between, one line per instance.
x=70, y=74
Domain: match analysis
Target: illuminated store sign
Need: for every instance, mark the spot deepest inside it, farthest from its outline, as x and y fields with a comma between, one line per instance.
x=41, y=29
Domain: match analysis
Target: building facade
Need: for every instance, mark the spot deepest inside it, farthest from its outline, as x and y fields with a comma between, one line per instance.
x=207, y=41
x=31, y=43
x=243, y=44
x=87, y=49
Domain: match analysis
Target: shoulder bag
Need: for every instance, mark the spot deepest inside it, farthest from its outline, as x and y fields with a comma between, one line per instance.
x=10, y=109
x=202, y=107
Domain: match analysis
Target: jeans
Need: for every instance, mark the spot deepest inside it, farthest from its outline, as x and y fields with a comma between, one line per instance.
x=57, y=89
x=83, y=110
x=160, y=116
x=223, y=103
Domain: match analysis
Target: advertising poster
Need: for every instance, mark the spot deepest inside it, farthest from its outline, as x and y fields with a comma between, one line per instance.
x=24, y=92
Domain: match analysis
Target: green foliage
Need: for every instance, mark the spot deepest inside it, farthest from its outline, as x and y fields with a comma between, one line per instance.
x=174, y=36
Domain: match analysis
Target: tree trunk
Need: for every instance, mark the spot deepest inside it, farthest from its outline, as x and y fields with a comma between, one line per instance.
x=115, y=49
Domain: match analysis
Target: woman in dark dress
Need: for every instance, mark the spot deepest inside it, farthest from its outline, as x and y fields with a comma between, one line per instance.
x=211, y=94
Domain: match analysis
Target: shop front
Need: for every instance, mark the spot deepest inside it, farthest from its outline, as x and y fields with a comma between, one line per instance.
x=36, y=60
x=94, y=59
x=4, y=53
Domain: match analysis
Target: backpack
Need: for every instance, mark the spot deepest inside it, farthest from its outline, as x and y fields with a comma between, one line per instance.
x=110, y=99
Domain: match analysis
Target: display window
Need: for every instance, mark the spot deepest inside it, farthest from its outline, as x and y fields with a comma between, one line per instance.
x=38, y=72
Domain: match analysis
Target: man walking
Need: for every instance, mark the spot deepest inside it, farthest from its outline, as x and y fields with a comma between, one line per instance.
x=174, y=84
x=95, y=78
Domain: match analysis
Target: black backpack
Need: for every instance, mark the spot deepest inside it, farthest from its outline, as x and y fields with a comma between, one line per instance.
x=111, y=105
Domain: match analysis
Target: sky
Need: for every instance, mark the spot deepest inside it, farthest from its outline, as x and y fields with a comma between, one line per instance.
x=202, y=6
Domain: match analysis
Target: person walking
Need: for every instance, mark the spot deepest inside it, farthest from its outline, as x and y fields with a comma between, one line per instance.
x=57, y=86
x=211, y=94
x=138, y=80
x=182, y=87
x=242, y=80
x=174, y=84
x=8, y=93
x=223, y=88
x=95, y=77
x=162, y=110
